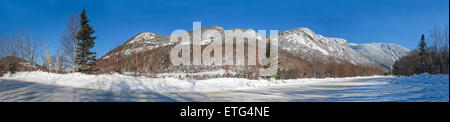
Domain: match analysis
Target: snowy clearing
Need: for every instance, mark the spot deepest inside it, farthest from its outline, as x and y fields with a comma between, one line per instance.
x=41, y=86
x=122, y=83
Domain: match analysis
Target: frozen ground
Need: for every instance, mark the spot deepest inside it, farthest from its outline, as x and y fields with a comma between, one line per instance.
x=40, y=86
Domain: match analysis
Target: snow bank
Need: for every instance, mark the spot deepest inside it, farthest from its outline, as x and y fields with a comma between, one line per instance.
x=433, y=86
x=221, y=72
x=122, y=83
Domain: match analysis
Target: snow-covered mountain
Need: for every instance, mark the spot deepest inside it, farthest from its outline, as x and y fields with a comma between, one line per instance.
x=311, y=46
x=149, y=54
x=301, y=42
x=142, y=42
x=384, y=54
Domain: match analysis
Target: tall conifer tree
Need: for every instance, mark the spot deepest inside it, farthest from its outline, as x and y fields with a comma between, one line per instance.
x=422, y=52
x=86, y=57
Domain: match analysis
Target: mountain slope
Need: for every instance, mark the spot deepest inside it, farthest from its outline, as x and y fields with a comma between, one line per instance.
x=140, y=43
x=384, y=54
x=311, y=46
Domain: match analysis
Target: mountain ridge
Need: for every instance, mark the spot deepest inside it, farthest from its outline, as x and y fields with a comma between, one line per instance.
x=384, y=54
x=301, y=44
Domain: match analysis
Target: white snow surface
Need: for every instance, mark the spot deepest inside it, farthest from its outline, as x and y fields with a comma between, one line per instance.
x=424, y=86
x=122, y=83
x=433, y=86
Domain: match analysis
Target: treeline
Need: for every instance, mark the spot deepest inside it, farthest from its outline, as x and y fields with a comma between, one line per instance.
x=431, y=55
x=295, y=67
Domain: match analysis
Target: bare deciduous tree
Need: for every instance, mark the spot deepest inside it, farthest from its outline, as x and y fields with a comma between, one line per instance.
x=59, y=61
x=3, y=46
x=69, y=41
x=47, y=58
x=438, y=38
x=22, y=46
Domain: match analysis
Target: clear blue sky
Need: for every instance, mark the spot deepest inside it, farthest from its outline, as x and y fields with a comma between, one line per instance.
x=115, y=21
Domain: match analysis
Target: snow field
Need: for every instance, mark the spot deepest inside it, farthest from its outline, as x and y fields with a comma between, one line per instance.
x=122, y=83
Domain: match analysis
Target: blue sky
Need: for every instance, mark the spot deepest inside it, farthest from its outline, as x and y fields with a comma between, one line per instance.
x=115, y=21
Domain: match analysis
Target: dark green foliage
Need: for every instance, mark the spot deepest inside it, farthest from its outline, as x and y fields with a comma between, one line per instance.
x=86, y=57
x=422, y=52
x=279, y=73
x=395, y=68
x=422, y=46
x=119, y=71
x=12, y=67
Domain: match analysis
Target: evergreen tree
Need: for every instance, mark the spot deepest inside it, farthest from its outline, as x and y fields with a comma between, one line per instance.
x=85, y=57
x=12, y=67
x=422, y=51
x=395, y=68
x=422, y=46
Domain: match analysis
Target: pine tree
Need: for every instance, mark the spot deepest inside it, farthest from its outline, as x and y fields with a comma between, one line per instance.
x=422, y=46
x=395, y=68
x=12, y=67
x=422, y=51
x=85, y=57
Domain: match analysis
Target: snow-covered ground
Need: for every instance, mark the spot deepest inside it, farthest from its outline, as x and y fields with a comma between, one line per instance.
x=41, y=86
x=432, y=86
x=122, y=83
